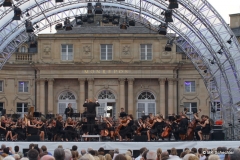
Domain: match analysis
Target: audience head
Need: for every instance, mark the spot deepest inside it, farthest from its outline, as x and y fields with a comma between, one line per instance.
x=87, y=156
x=60, y=146
x=92, y=152
x=111, y=153
x=235, y=155
x=108, y=157
x=47, y=157
x=144, y=155
x=59, y=154
x=43, y=154
x=164, y=156
x=44, y=148
x=31, y=146
x=200, y=150
x=89, y=149
x=3, y=146
x=116, y=150
x=9, y=158
x=16, y=148
x=101, y=151
x=151, y=155
x=193, y=158
x=33, y=154
x=183, y=154
x=194, y=150
x=74, y=148
x=120, y=157
x=213, y=157
x=186, y=157
x=6, y=150
x=16, y=156
x=142, y=150
x=68, y=154
x=173, y=152
x=130, y=151
x=83, y=151
x=186, y=149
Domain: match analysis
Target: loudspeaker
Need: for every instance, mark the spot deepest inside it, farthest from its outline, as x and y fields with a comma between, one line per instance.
x=142, y=138
x=33, y=138
x=217, y=127
x=3, y=112
x=218, y=136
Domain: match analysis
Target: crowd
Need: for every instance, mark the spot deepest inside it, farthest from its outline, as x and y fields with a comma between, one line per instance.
x=36, y=153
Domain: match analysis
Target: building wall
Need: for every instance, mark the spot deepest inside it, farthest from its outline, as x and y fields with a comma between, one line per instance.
x=86, y=76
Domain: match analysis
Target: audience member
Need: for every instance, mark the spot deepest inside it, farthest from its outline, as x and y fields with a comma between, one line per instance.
x=87, y=156
x=201, y=156
x=116, y=152
x=101, y=151
x=235, y=155
x=83, y=151
x=42, y=154
x=186, y=157
x=144, y=155
x=9, y=158
x=33, y=154
x=213, y=157
x=193, y=158
x=183, y=154
x=68, y=154
x=44, y=149
x=130, y=151
x=173, y=155
x=75, y=155
x=16, y=157
x=151, y=155
x=108, y=157
x=60, y=146
x=74, y=148
x=164, y=155
x=120, y=157
x=47, y=157
x=219, y=150
x=111, y=153
x=16, y=150
x=59, y=154
x=140, y=153
x=89, y=149
x=159, y=152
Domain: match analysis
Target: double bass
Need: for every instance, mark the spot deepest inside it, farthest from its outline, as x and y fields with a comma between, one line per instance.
x=191, y=127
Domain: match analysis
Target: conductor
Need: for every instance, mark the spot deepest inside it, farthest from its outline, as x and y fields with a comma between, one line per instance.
x=69, y=110
x=91, y=114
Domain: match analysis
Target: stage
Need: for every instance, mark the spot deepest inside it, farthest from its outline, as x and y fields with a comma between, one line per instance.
x=124, y=146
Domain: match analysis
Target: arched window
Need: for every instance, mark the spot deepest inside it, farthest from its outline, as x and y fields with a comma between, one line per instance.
x=146, y=104
x=64, y=99
x=23, y=49
x=106, y=94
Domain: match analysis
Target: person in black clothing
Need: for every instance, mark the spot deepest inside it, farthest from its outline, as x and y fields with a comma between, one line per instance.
x=69, y=111
x=59, y=129
x=123, y=113
x=183, y=125
x=84, y=114
x=127, y=130
x=91, y=114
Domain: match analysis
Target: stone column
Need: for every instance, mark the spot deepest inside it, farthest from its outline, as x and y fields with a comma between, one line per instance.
x=42, y=96
x=90, y=88
x=175, y=96
x=170, y=96
x=81, y=94
x=50, y=96
x=37, y=107
x=162, y=96
x=121, y=95
x=130, y=95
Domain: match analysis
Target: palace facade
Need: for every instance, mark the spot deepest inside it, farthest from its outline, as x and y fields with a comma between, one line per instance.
x=121, y=68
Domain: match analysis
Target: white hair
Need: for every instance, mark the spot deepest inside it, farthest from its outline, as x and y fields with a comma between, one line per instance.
x=9, y=158
x=213, y=157
x=89, y=149
x=68, y=154
x=24, y=158
x=186, y=157
x=16, y=156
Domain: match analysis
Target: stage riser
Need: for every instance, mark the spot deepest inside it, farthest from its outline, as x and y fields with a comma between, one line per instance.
x=124, y=146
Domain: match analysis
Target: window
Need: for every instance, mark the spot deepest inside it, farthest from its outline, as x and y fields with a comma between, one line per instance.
x=1, y=86
x=190, y=86
x=106, y=52
x=1, y=107
x=191, y=106
x=22, y=108
x=146, y=52
x=22, y=86
x=146, y=104
x=23, y=49
x=67, y=52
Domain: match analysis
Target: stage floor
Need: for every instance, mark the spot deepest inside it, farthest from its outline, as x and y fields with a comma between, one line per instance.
x=124, y=146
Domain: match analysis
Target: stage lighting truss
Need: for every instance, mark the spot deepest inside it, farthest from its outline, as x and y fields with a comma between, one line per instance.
x=125, y=24
x=17, y=13
x=89, y=8
x=57, y=1
x=230, y=40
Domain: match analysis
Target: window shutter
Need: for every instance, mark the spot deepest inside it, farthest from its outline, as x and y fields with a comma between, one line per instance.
x=100, y=109
x=151, y=108
x=70, y=52
x=193, y=86
x=140, y=109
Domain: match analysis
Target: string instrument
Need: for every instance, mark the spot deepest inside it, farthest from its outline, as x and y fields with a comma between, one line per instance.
x=190, y=131
x=119, y=127
x=166, y=132
x=139, y=129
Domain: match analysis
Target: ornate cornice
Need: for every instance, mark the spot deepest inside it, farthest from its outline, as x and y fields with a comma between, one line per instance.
x=121, y=80
x=90, y=80
x=81, y=80
x=130, y=81
x=162, y=81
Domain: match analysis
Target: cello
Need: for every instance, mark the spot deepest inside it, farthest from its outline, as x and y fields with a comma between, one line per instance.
x=191, y=127
x=166, y=132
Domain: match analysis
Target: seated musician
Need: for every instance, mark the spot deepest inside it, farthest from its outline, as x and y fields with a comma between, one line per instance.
x=127, y=130
x=31, y=126
x=198, y=126
x=167, y=130
x=59, y=129
x=50, y=129
x=175, y=127
x=70, y=128
x=205, y=128
x=84, y=130
x=139, y=125
x=41, y=127
x=155, y=127
x=19, y=130
x=183, y=125
x=9, y=123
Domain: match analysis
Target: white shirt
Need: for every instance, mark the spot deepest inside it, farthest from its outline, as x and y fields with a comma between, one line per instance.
x=139, y=157
x=174, y=157
x=115, y=154
x=202, y=157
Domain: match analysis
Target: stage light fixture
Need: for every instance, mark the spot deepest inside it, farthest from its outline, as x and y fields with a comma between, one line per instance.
x=67, y=24
x=79, y=20
x=230, y=40
x=163, y=29
x=59, y=26
x=36, y=26
x=169, y=45
x=98, y=8
x=205, y=71
x=59, y=1
x=105, y=18
x=131, y=23
x=7, y=3
x=90, y=8
x=17, y=13
x=90, y=18
x=220, y=52
x=173, y=4
x=29, y=26
x=84, y=19
x=168, y=16
x=115, y=19
x=211, y=61
x=27, y=14
x=124, y=25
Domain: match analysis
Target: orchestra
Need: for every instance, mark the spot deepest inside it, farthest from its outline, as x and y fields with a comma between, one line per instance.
x=124, y=128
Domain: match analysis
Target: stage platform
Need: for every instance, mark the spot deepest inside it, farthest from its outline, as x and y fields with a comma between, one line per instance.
x=124, y=146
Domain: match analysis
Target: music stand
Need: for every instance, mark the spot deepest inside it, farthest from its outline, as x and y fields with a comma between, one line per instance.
x=76, y=115
x=37, y=114
x=50, y=116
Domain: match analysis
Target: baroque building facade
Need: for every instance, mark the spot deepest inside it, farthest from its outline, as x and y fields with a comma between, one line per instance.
x=121, y=68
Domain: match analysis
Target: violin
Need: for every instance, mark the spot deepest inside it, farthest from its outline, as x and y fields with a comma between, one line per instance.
x=202, y=122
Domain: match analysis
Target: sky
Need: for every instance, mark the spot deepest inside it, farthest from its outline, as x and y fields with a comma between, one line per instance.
x=226, y=7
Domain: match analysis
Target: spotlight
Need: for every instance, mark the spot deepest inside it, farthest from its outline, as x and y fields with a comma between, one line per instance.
x=173, y=4
x=168, y=16
x=17, y=13
x=131, y=23
x=7, y=3
x=120, y=0
x=115, y=19
x=59, y=1
x=90, y=8
x=162, y=13
x=67, y=24
x=98, y=8
x=59, y=26
x=205, y=71
x=84, y=19
x=211, y=61
x=230, y=40
x=36, y=26
x=27, y=15
x=105, y=18
x=90, y=18
x=124, y=25
x=220, y=52
x=163, y=29
x=29, y=26
x=79, y=20
x=169, y=45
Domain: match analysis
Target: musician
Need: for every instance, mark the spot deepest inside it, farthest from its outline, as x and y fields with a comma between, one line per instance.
x=19, y=130
x=122, y=113
x=167, y=130
x=69, y=110
x=175, y=127
x=183, y=124
x=31, y=126
x=3, y=129
x=59, y=129
x=205, y=128
x=91, y=113
x=185, y=113
x=9, y=123
x=41, y=127
x=84, y=114
x=70, y=128
x=155, y=127
x=198, y=126
x=126, y=128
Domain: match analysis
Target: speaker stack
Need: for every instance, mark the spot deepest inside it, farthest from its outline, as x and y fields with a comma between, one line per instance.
x=217, y=132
